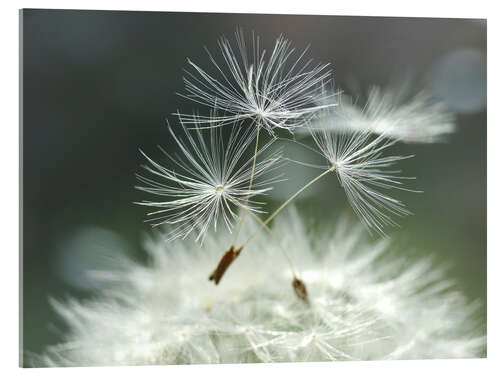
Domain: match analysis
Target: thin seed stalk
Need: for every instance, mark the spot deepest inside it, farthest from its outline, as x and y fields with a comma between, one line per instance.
x=284, y=204
x=269, y=231
x=242, y=217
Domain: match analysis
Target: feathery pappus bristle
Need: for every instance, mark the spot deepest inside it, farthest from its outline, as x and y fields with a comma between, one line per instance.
x=356, y=158
x=250, y=84
x=210, y=180
x=390, y=111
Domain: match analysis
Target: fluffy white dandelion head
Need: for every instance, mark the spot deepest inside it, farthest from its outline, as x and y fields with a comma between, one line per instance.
x=393, y=112
x=276, y=90
x=363, y=304
x=209, y=180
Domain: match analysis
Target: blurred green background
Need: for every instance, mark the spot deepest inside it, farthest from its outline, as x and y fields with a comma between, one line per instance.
x=98, y=85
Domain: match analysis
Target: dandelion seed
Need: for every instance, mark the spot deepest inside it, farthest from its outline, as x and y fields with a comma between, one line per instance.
x=364, y=304
x=362, y=170
x=277, y=92
x=226, y=260
x=300, y=289
x=392, y=112
x=211, y=180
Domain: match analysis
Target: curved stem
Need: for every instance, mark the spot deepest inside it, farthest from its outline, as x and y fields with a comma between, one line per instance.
x=284, y=204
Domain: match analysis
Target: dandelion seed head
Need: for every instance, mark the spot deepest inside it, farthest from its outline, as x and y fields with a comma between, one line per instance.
x=209, y=180
x=393, y=112
x=356, y=158
x=364, y=304
x=276, y=90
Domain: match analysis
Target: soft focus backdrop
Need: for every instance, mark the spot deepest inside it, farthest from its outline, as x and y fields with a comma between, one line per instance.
x=98, y=85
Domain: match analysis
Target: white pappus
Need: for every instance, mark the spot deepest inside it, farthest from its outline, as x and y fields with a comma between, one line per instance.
x=357, y=159
x=211, y=179
x=365, y=304
x=391, y=111
x=271, y=90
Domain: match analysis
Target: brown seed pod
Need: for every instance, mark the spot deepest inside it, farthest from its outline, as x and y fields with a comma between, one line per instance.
x=226, y=260
x=300, y=289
